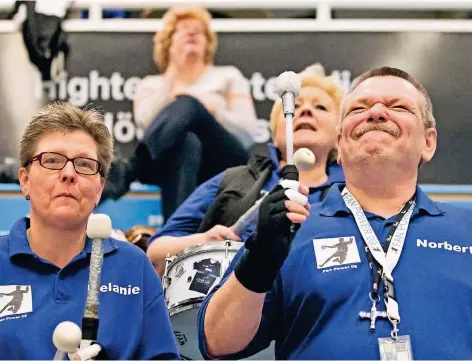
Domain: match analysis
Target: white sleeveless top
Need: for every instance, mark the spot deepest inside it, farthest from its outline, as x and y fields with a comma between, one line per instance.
x=224, y=88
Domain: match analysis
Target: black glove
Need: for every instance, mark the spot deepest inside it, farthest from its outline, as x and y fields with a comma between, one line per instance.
x=103, y=354
x=267, y=249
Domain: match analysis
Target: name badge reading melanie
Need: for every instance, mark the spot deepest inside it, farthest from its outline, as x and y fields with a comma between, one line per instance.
x=399, y=349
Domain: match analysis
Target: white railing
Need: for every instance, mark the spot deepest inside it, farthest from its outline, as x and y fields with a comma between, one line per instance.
x=284, y=4
x=94, y=5
x=323, y=21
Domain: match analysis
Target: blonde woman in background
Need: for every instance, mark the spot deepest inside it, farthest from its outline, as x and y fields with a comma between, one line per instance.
x=199, y=118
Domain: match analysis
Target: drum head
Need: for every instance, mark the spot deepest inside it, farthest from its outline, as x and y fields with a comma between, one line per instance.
x=205, y=248
x=196, y=270
x=184, y=323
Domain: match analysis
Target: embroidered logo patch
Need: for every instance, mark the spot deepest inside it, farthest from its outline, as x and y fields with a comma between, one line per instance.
x=15, y=300
x=337, y=251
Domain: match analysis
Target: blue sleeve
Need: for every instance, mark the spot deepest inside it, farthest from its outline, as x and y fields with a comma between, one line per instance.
x=157, y=339
x=187, y=218
x=270, y=320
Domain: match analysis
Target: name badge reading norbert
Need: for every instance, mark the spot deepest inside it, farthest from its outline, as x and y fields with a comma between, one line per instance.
x=398, y=349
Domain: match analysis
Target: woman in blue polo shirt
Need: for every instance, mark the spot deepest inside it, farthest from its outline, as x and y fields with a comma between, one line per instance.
x=44, y=261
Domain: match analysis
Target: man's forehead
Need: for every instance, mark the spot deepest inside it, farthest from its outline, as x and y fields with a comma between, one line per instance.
x=385, y=86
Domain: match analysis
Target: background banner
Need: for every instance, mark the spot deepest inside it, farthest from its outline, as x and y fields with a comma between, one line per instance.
x=104, y=69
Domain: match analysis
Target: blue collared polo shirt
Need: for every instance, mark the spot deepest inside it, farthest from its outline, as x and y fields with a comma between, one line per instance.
x=312, y=311
x=35, y=296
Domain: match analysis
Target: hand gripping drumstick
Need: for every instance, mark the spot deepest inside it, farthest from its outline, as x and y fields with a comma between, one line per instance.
x=288, y=86
x=98, y=228
x=304, y=159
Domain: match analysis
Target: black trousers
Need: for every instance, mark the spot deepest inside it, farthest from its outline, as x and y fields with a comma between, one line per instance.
x=183, y=147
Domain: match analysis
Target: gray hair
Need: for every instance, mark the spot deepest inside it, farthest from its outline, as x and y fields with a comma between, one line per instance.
x=64, y=117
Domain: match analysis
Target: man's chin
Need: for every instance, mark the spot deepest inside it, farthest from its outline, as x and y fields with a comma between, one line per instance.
x=375, y=152
x=375, y=157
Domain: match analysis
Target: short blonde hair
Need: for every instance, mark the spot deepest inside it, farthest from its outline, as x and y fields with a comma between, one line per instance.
x=313, y=76
x=163, y=38
x=65, y=118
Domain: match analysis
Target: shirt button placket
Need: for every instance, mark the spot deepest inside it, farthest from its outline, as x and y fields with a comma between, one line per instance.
x=61, y=294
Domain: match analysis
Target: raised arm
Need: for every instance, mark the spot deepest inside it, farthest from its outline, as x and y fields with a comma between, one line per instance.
x=152, y=94
x=239, y=115
x=233, y=314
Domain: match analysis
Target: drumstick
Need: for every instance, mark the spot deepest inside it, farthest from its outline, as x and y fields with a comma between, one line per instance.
x=248, y=218
x=98, y=228
x=288, y=86
x=303, y=159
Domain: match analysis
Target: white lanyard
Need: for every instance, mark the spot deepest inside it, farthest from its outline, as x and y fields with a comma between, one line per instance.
x=386, y=261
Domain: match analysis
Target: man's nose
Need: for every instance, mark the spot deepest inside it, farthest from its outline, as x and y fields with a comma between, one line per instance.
x=378, y=113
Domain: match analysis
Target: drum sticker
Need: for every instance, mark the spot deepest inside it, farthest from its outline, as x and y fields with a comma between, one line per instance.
x=202, y=283
x=208, y=270
x=208, y=266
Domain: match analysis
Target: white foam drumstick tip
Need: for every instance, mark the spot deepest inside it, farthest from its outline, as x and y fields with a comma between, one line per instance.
x=288, y=81
x=99, y=226
x=303, y=159
x=66, y=336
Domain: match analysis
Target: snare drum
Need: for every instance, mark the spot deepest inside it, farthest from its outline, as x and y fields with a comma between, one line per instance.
x=188, y=278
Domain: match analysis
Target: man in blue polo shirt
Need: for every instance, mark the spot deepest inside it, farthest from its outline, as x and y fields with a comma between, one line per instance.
x=216, y=205
x=36, y=295
x=377, y=271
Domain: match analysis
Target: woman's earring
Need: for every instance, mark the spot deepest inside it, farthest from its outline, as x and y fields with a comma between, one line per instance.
x=27, y=197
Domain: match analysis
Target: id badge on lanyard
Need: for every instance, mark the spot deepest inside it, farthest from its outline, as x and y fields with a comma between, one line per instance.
x=394, y=347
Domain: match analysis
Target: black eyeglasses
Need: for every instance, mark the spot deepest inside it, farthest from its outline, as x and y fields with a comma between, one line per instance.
x=57, y=161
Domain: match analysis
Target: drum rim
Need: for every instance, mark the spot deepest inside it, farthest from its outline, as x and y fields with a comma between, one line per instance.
x=201, y=248
x=188, y=304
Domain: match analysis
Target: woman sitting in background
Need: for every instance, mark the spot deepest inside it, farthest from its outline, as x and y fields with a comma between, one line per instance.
x=199, y=118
